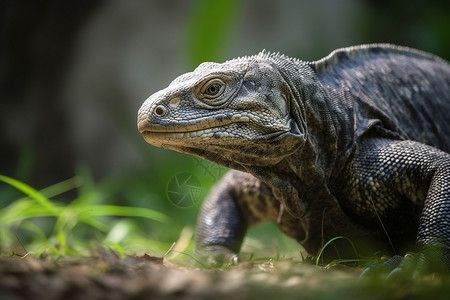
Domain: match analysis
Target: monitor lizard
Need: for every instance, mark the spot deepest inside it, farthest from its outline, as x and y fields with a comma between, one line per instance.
x=355, y=144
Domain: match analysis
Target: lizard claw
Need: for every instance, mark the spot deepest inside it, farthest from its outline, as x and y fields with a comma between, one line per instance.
x=412, y=265
x=382, y=268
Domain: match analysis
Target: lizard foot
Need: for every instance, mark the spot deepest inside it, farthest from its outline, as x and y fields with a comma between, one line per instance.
x=217, y=256
x=412, y=265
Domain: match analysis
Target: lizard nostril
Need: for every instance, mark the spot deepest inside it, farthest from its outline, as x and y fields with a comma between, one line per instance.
x=160, y=110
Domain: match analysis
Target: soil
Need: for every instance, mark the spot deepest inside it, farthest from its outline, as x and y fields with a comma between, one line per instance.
x=109, y=276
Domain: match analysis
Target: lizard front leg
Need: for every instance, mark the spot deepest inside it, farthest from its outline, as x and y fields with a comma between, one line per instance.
x=236, y=203
x=406, y=185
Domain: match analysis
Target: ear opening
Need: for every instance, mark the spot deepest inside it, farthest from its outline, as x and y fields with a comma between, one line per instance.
x=298, y=122
x=296, y=109
x=296, y=130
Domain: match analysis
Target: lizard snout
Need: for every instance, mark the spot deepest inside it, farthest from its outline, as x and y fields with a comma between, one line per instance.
x=142, y=124
x=150, y=109
x=144, y=113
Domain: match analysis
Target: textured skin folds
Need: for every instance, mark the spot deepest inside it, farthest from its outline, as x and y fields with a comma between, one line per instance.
x=355, y=144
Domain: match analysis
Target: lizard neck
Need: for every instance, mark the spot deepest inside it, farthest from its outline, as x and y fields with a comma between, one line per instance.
x=320, y=115
x=303, y=176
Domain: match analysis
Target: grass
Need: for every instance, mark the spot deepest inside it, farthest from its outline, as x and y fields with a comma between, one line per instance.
x=37, y=210
x=40, y=222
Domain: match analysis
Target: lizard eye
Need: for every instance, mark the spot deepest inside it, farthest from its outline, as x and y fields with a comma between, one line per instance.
x=213, y=88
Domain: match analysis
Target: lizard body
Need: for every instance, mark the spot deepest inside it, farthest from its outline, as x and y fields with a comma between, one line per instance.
x=355, y=144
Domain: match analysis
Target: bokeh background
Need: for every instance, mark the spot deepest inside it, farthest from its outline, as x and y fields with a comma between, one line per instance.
x=73, y=75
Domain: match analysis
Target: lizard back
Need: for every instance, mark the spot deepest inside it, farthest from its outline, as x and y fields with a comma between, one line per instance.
x=406, y=91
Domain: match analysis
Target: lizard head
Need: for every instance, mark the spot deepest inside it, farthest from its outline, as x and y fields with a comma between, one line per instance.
x=240, y=111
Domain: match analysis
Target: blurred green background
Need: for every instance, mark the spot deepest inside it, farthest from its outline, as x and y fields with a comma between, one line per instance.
x=73, y=76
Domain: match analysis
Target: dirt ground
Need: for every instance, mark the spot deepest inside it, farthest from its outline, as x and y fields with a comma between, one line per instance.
x=147, y=277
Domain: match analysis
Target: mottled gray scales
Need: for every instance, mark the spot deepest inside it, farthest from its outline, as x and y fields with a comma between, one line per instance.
x=393, y=179
x=355, y=144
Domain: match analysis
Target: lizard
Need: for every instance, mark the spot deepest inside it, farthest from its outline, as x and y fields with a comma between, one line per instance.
x=355, y=144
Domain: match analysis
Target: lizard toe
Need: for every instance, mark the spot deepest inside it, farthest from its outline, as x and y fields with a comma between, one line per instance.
x=382, y=268
x=413, y=265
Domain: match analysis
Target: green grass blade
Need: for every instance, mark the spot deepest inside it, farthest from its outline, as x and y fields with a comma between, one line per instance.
x=36, y=230
x=35, y=212
x=61, y=187
x=94, y=223
x=31, y=192
x=22, y=209
x=331, y=241
x=124, y=211
x=119, y=249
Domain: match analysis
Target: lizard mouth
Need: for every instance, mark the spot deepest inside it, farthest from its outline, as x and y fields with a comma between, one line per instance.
x=212, y=132
x=162, y=131
x=200, y=124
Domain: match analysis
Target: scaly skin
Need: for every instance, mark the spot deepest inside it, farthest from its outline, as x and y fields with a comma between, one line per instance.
x=355, y=144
